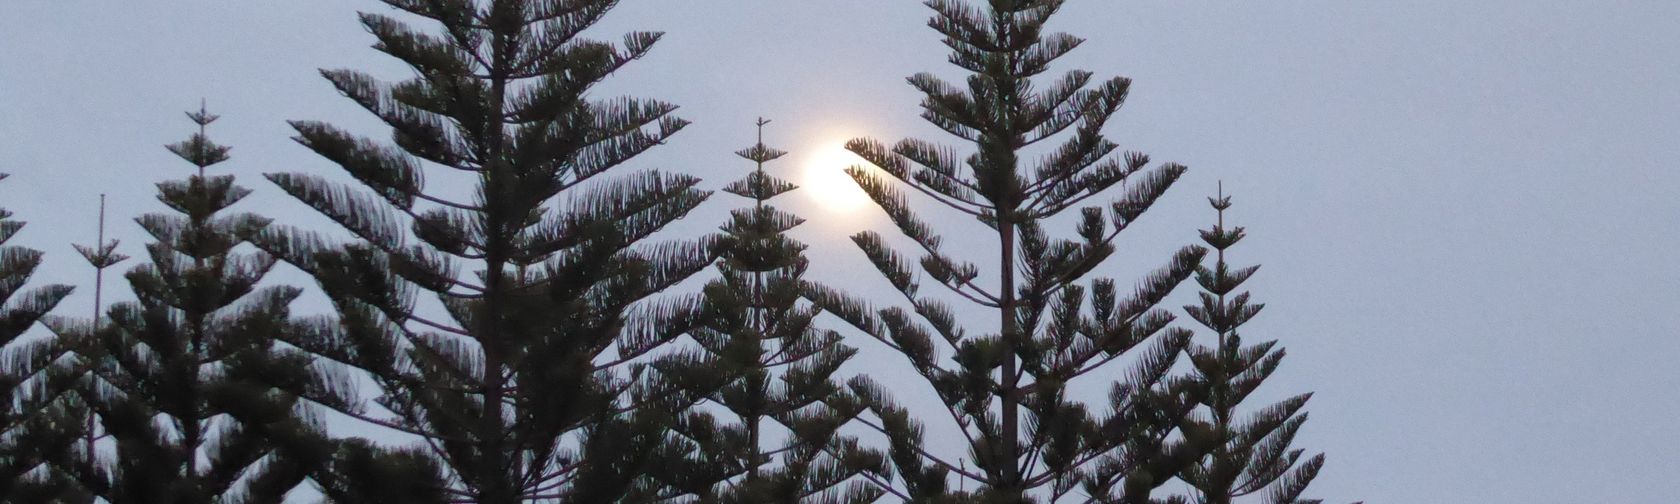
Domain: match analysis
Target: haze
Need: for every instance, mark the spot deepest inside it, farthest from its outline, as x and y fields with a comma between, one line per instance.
x=1465, y=209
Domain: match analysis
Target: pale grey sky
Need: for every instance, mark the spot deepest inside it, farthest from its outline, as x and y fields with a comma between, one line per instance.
x=1464, y=209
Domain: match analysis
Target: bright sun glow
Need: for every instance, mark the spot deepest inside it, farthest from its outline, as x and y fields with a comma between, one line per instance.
x=826, y=182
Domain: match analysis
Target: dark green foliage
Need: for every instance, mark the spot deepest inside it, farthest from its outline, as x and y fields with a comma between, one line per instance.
x=1250, y=455
x=1007, y=390
x=199, y=403
x=507, y=328
x=364, y=473
x=37, y=423
x=776, y=438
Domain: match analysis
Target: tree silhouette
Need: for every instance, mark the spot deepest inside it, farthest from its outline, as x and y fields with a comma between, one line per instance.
x=85, y=347
x=776, y=439
x=1006, y=391
x=37, y=424
x=507, y=328
x=1250, y=455
x=187, y=381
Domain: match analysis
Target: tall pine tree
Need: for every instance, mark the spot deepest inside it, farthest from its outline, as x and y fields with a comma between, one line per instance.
x=102, y=256
x=36, y=425
x=777, y=438
x=1251, y=454
x=1006, y=391
x=505, y=328
x=200, y=403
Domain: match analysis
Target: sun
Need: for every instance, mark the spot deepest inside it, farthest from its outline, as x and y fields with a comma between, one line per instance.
x=825, y=180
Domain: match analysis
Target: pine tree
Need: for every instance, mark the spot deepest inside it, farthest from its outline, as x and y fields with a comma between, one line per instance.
x=778, y=440
x=1007, y=391
x=36, y=424
x=85, y=347
x=507, y=329
x=1251, y=455
x=188, y=383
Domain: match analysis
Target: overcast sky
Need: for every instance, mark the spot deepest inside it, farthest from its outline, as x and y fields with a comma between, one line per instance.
x=1465, y=210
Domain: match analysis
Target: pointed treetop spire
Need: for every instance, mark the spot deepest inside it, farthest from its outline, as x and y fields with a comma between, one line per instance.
x=203, y=117
x=1220, y=202
x=1220, y=237
x=199, y=150
x=758, y=185
x=759, y=153
x=103, y=254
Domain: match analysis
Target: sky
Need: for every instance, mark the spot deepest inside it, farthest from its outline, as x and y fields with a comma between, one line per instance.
x=1464, y=209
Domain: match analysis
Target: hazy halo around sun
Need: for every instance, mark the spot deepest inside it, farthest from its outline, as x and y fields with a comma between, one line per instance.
x=824, y=178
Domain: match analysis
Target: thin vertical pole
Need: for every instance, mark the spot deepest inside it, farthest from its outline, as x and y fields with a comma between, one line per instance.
x=98, y=294
x=761, y=314
x=1220, y=226
x=99, y=272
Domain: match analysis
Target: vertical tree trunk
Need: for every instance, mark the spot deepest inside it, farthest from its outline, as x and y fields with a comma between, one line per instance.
x=494, y=482
x=1011, y=450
